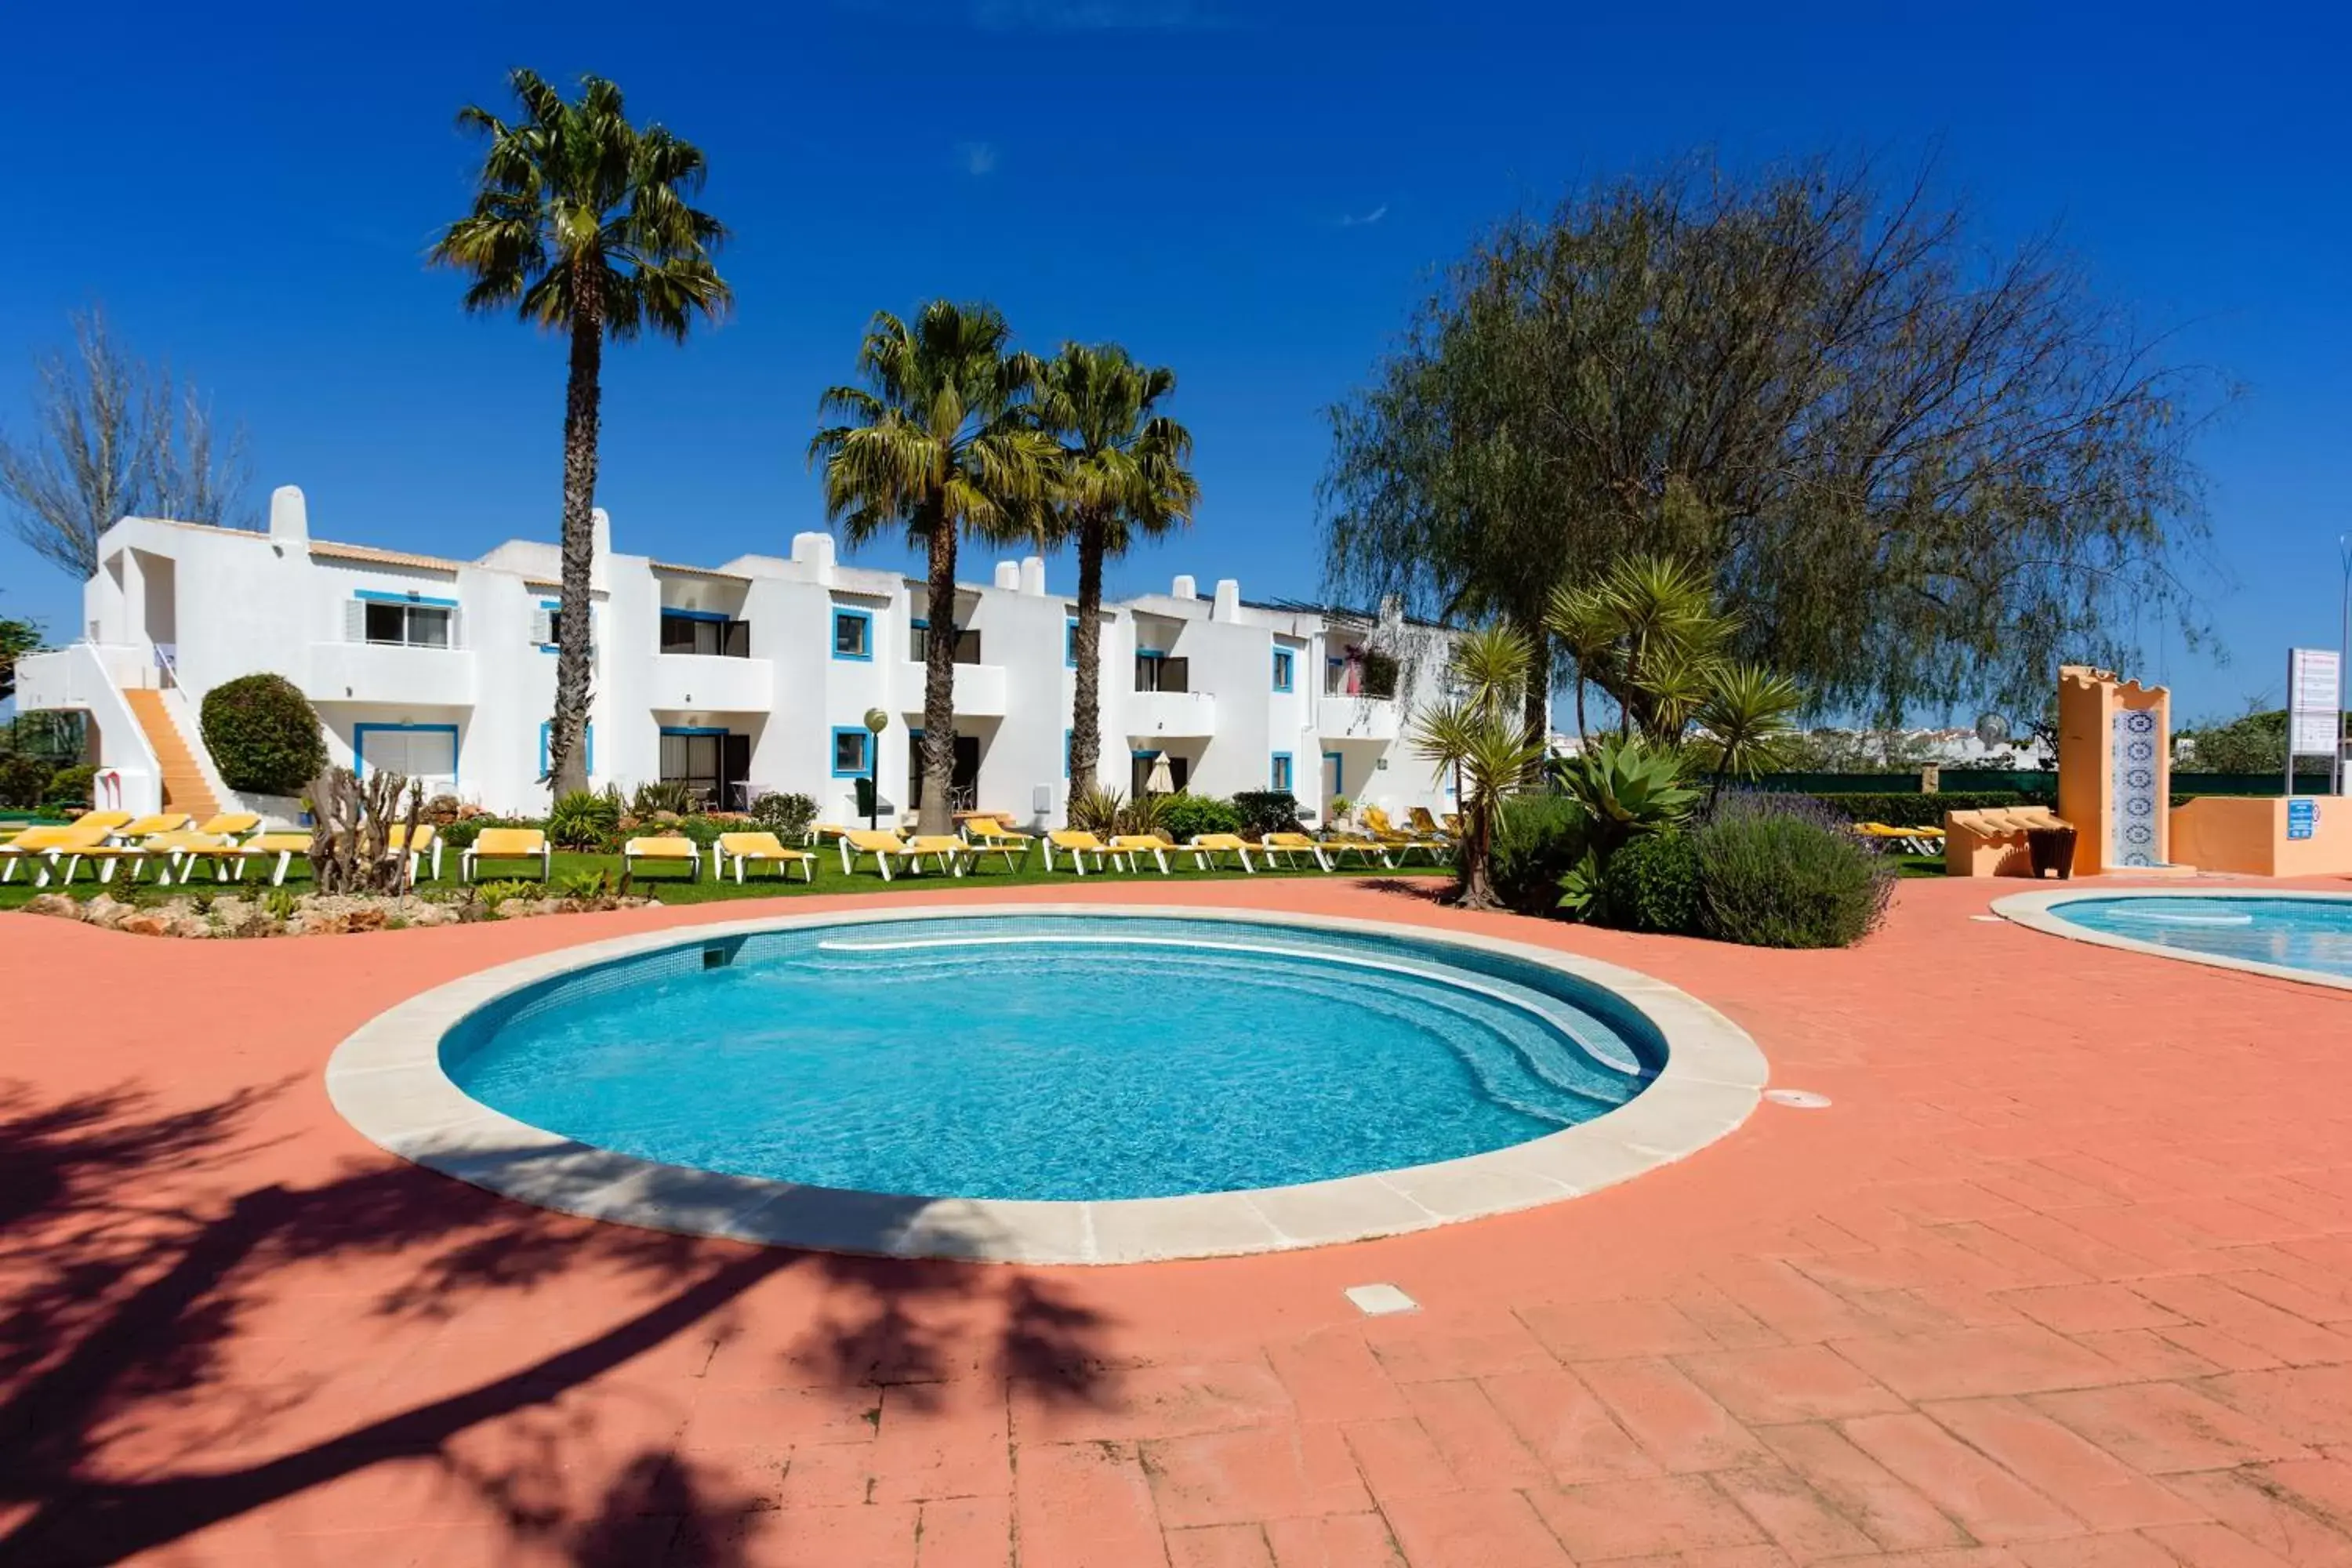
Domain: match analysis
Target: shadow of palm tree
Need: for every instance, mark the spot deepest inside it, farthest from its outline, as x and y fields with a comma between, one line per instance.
x=122, y=1306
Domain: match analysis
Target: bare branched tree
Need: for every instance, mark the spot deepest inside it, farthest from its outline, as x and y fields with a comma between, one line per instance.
x=114, y=437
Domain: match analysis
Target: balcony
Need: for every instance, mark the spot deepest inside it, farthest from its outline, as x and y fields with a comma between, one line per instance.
x=389, y=672
x=711, y=683
x=979, y=691
x=1356, y=718
x=1170, y=715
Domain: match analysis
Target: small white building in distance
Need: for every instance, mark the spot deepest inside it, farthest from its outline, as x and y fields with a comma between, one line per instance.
x=750, y=677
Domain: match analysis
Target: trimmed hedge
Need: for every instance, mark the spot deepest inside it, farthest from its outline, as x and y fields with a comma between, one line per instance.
x=70, y=786
x=263, y=735
x=1265, y=811
x=1184, y=815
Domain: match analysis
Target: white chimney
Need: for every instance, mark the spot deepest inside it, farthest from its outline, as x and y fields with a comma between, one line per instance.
x=815, y=551
x=1229, y=600
x=1182, y=589
x=290, y=515
x=600, y=535
x=1032, y=575
x=1008, y=574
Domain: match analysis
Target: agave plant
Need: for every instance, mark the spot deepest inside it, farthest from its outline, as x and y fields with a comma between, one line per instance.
x=1625, y=787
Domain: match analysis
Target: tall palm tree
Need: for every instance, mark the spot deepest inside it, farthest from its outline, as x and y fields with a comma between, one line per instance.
x=1122, y=475
x=939, y=440
x=581, y=221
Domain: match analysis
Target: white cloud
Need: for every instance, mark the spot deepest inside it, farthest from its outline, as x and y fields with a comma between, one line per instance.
x=1364, y=220
x=977, y=157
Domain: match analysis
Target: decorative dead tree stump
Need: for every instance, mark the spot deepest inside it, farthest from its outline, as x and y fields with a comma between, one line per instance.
x=350, y=845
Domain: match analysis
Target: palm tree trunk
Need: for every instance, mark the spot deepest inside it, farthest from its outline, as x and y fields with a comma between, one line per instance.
x=938, y=681
x=1086, y=708
x=1474, y=887
x=567, y=765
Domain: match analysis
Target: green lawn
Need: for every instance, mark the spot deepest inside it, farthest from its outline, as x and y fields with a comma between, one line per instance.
x=671, y=887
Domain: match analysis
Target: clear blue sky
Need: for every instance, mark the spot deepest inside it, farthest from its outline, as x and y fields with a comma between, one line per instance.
x=1252, y=193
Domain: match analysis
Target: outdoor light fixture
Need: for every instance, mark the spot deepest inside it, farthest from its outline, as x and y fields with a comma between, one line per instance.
x=876, y=721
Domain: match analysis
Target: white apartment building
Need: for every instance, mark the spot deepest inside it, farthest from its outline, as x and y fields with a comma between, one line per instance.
x=753, y=676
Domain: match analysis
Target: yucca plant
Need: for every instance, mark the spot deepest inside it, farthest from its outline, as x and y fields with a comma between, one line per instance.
x=1095, y=808
x=1479, y=737
x=1747, y=722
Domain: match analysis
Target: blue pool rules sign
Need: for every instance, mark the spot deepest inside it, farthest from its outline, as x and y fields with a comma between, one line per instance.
x=2302, y=817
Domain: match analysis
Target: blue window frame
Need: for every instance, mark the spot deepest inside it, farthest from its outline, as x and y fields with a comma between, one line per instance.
x=1284, y=666
x=360, y=734
x=1282, y=774
x=587, y=744
x=553, y=608
x=853, y=637
x=1070, y=648
x=853, y=752
x=1339, y=771
x=1067, y=737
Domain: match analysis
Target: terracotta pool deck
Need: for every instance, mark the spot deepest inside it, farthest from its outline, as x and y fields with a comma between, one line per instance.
x=2062, y=1278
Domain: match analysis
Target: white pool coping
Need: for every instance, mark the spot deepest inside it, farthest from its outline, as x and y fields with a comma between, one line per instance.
x=2038, y=911
x=387, y=1081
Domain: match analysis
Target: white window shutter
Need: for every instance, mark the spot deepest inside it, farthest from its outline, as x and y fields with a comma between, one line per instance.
x=355, y=620
x=542, y=626
x=457, y=627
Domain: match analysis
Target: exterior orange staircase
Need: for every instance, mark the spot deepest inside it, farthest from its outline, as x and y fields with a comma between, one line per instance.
x=183, y=781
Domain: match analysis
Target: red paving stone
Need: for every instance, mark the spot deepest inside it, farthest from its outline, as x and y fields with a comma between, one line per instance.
x=2039, y=1290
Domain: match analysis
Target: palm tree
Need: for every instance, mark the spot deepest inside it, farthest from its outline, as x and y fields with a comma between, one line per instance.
x=1122, y=475
x=1483, y=736
x=1748, y=721
x=939, y=440
x=581, y=221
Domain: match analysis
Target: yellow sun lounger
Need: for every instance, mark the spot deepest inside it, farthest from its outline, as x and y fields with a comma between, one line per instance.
x=991, y=835
x=45, y=845
x=1368, y=851
x=1135, y=844
x=506, y=844
x=280, y=848
x=149, y=825
x=1278, y=847
x=759, y=850
x=1207, y=847
x=887, y=848
x=428, y=842
x=1403, y=843
x=1421, y=822
x=1078, y=844
x=671, y=850
x=111, y=821
x=227, y=825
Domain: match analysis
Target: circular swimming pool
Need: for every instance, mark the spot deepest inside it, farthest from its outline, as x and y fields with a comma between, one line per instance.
x=2300, y=936
x=1049, y=1066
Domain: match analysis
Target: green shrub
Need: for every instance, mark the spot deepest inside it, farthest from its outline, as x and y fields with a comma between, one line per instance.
x=785, y=815
x=70, y=786
x=1916, y=810
x=581, y=820
x=1265, y=811
x=1184, y=816
x=263, y=735
x=1784, y=873
x=1539, y=839
x=24, y=780
x=587, y=887
x=1652, y=883
x=702, y=830
x=1093, y=808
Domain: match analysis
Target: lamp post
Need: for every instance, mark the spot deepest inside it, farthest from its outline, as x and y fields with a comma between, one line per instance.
x=876, y=721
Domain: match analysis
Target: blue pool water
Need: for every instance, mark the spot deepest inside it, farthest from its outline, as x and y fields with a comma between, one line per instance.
x=2296, y=933
x=1055, y=1056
